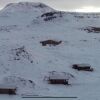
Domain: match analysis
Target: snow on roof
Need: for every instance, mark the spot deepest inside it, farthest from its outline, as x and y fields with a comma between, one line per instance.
x=82, y=65
x=57, y=76
x=3, y=86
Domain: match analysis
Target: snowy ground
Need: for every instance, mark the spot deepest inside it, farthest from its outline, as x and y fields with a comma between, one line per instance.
x=21, y=25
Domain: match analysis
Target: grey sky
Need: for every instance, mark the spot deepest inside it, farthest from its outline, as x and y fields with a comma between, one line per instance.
x=60, y=4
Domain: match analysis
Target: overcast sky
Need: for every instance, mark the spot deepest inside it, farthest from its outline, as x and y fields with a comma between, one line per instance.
x=60, y=4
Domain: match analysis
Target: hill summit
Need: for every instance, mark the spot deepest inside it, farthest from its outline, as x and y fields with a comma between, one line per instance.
x=24, y=6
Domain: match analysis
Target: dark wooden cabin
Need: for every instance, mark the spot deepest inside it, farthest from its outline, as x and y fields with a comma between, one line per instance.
x=50, y=42
x=11, y=90
x=58, y=79
x=82, y=67
x=92, y=29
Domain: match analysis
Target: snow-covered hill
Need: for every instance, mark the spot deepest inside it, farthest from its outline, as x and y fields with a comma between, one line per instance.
x=24, y=62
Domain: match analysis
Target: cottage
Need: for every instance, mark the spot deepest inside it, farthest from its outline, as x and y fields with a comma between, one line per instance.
x=82, y=67
x=50, y=42
x=92, y=29
x=58, y=78
x=48, y=14
x=6, y=89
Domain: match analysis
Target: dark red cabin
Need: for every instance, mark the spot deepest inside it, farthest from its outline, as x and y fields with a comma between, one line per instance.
x=82, y=67
x=58, y=79
x=50, y=42
x=11, y=90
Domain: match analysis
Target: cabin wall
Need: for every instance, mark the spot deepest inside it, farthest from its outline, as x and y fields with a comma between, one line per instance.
x=7, y=91
x=52, y=81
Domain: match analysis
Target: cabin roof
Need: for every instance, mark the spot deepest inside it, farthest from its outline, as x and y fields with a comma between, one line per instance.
x=58, y=76
x=82, y=65
x=3, y=86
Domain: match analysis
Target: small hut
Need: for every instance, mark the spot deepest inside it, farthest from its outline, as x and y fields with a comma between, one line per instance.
x=58, y=78
x=82, y=67
x=50, y=42
x=7, y=89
